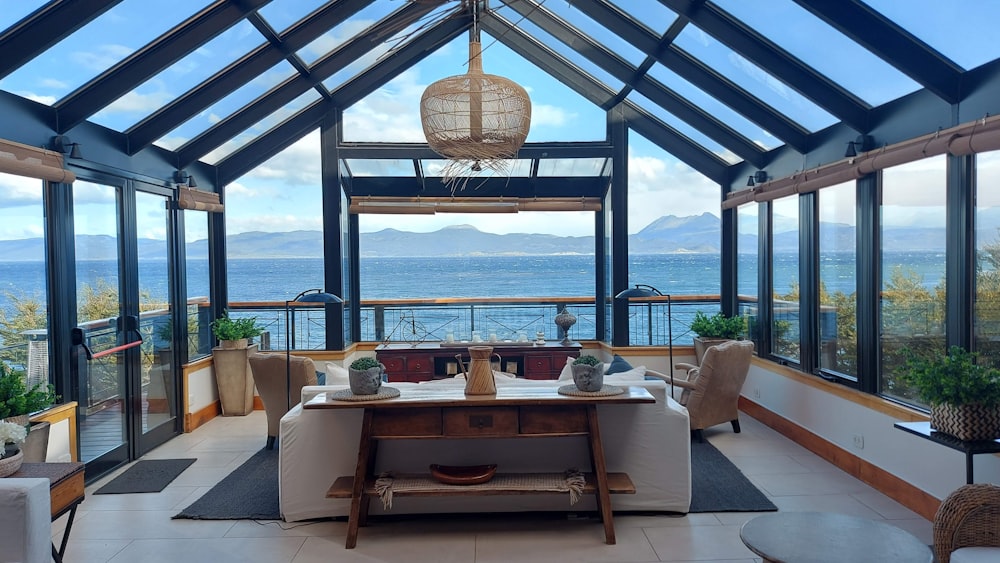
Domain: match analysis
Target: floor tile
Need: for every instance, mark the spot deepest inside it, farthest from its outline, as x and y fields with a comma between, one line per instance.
x=698, y=543
x=210, y=550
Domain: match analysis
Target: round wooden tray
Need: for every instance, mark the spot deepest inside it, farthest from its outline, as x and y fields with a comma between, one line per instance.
x=463, y=474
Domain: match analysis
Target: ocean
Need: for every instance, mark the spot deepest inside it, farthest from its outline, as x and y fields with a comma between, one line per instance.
x=481, y=276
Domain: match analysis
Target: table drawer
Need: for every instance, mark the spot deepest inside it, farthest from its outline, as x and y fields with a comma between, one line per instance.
x=481, y=421
x=406, y=423
x=538, y=366
x=553, y=420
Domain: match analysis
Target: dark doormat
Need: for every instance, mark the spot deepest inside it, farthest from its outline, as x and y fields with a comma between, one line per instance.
x=717, y=485
x=249, y=492
x=146, y=476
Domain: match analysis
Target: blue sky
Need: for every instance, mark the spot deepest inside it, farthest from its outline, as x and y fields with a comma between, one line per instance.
x=280, y=194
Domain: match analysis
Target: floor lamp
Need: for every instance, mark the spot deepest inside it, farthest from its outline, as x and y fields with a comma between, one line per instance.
x=642, y=290
x=307, y=296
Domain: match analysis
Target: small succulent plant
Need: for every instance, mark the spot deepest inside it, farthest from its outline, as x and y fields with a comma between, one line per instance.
x=587, y=360
x=362, y=364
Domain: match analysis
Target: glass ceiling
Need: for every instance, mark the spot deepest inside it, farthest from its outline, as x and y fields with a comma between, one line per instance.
x=68, y=74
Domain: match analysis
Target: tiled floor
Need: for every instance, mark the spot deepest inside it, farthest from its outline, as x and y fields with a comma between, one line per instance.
x=131, y=528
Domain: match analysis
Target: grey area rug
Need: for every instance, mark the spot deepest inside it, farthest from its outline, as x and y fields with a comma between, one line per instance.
x=146, y=476
x=719, y=486
x=251, y=491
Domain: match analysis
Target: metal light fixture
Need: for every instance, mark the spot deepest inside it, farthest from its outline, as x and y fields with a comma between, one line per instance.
x=307, y=296
x=863, y=143
x=643, y=291
x=63, y=144
x=182, y=177
x=750, y=182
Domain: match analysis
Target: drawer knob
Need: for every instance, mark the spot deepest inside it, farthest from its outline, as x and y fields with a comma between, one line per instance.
x=481, y=421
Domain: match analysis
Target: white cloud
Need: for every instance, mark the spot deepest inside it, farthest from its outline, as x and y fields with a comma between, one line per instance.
x=275, y=223
x=135, y=102
x=17, y=191
x=543, y=115
x=53, y=83
x=47, y=100
x=664, y=186
x=102, y=57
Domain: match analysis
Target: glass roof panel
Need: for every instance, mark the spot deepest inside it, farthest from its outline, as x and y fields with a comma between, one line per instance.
x=812, y=40
x=381, y=167
x=683, y=128
x=14, y=12
x=340, y=34
x=519, y=168
x=281, y=14
x=226, y=106
x=392, y=113
x=96, y=47
x=962, y=30
x=261, y=127
x=713, y=106
x=562, y=49
x=753, y=79
x=585, y=25
x=577, y=167
x=654, y=16
x=180, y=77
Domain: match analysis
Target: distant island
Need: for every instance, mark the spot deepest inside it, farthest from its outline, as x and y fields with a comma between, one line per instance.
x=667, y=235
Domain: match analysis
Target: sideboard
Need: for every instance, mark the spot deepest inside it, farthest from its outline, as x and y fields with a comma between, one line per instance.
x=436, y=360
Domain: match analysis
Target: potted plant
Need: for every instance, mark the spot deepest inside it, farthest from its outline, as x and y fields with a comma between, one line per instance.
x=235, y=333
x=964, y=395
x=17, y=401
x=365, y=376
x=231, y=362
x=588, y=373
x=715, y=329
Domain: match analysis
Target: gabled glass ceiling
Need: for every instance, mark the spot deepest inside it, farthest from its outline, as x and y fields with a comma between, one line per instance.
x=962, y=30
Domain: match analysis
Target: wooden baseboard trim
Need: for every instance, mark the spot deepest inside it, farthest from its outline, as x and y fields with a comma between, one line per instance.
x=886, y=483
x=195, y=419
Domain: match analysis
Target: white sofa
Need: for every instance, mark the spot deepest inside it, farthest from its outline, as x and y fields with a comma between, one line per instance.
x=650, y=442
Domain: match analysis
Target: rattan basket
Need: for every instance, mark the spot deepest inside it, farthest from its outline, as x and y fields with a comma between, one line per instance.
x=971, y=422
x=10, y=465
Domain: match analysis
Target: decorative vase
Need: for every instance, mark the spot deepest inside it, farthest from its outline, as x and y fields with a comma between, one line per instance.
x=565, y=320
x=971, y=422
x=588, y=378
x=365, y=381
x=479, y=377
x=10, y=464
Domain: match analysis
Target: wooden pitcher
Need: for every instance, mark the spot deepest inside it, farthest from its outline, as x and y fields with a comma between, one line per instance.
x=479, y=376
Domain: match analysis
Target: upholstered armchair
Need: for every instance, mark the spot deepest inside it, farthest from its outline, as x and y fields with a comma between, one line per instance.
x=711, y=391
x=269, y=373
x=967, y=525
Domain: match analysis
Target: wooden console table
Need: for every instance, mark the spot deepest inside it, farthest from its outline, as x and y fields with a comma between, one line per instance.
x=430, y=360
x=66, y=486
x=448, y=413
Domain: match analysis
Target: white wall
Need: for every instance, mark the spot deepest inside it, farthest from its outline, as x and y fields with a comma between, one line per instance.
x=201, y=389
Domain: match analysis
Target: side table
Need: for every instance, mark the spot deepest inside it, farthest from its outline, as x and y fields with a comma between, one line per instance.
x=66, y=490
x=923, y=429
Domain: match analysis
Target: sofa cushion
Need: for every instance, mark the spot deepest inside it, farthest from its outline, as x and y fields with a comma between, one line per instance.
x=617, y=365
x=336, y=374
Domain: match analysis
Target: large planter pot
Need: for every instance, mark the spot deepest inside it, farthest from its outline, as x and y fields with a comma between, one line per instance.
x=234, y=344
x=234, y=379
x=967, y=422
x=365, y=381
x=702, y=344
x=588, y=378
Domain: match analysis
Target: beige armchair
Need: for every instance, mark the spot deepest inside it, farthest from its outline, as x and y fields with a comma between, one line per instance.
x=711, y=391
x=967, y=525
x=269, y=375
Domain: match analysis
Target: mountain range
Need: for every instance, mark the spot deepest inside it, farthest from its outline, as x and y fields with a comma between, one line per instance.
x=667, y=235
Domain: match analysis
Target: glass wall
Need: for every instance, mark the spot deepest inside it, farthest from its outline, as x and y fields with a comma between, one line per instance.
x=747, y=224
x=785, y=278
x=23, y=292
x=986, y=334
x=198, y=297
x=838, y=284
x=912, y=298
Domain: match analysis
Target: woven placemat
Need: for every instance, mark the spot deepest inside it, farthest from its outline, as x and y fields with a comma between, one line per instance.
x=384, y=392
x=605, y=391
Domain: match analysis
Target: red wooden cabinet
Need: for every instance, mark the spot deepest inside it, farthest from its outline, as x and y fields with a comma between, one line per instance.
x=426, y=361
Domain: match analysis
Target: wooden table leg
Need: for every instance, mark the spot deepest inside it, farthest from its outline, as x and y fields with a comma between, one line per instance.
x=358, y=496
x=600, y=475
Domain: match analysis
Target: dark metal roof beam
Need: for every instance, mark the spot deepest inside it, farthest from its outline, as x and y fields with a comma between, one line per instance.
x=290, y=89
x=45, y=27
x=292, y=57
x=891, y=43
x=689, y=152
x=700, y=75
x=150, y=60
x=775, y=61
x=296, y=126
x=167, y=118
x=420, y=151
x=648, y=87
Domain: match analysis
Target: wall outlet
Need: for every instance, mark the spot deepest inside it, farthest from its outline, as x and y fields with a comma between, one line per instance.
x=756, y=392
x=859, y=441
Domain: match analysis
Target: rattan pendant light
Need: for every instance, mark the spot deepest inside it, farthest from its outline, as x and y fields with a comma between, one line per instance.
x=476, y=120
